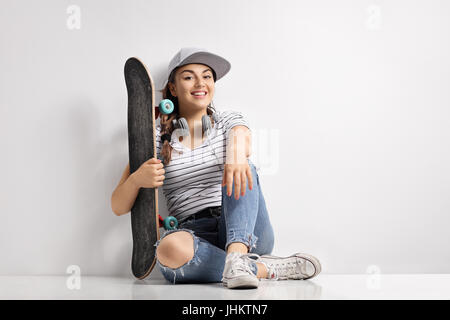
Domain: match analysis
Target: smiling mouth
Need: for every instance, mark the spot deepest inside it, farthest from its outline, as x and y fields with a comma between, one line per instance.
x=199, y=94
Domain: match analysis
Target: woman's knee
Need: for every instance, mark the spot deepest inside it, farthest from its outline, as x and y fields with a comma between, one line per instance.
x=175, y=249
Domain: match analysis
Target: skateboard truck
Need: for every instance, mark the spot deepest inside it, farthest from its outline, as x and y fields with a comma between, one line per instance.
x=169, y=223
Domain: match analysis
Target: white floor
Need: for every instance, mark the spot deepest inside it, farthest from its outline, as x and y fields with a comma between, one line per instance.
x=324, y=286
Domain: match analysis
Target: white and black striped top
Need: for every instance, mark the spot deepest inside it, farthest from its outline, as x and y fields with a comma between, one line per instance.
x=193, y=178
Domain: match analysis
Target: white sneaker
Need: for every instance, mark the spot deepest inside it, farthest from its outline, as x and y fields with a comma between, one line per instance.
x=238, y=272
x=298, y=266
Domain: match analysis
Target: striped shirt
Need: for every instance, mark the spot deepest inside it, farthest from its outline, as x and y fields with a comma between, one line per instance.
x=193, y=178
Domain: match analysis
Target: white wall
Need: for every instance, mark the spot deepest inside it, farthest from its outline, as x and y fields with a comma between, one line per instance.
x=353, y=94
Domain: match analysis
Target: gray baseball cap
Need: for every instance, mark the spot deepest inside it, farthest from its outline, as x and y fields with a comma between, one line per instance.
x=198, y=55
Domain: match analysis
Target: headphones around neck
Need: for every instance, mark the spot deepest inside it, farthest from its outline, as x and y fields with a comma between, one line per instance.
x=183, y=126
x=166, y=107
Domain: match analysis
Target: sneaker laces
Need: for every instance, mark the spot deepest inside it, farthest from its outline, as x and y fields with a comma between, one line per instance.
x=243, y=262
x=284, y=269
x=246, y=262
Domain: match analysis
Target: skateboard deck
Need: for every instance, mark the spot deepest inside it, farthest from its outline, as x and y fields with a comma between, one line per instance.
x=142, y=147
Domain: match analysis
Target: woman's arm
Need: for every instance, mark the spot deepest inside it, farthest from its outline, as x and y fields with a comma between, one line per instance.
x=149, y=175
x=125, y=194
x=239, y=145
x=237, y=170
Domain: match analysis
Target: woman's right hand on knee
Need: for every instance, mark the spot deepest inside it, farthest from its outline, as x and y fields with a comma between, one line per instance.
x=150, y=174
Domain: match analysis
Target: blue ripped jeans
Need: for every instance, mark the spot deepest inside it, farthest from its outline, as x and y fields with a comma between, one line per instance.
x=244, y=220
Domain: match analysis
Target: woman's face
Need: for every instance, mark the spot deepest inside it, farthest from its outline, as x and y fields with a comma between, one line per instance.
x=194, y=86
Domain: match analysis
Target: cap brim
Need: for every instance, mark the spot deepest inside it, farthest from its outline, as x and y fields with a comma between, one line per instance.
x=220, y=65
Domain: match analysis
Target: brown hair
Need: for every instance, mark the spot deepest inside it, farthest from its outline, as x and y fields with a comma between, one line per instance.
x=166, y=119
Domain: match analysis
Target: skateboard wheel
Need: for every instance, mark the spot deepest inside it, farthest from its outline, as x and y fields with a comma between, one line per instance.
x=166, y=106
x=170, y=223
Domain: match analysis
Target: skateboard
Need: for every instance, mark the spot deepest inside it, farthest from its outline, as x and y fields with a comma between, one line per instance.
x=145, y=219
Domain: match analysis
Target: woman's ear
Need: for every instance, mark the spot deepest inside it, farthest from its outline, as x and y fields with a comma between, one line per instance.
x=172, y=89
